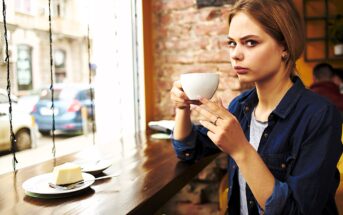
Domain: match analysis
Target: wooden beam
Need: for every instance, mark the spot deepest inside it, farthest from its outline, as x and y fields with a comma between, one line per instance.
x=148, y=44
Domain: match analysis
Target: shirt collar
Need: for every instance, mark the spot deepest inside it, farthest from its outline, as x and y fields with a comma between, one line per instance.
x=249, y=101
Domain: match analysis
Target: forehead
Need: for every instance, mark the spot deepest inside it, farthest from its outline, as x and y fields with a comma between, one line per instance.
x=243, y=24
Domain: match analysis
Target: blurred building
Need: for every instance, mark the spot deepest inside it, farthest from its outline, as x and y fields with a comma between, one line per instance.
x=28, y=40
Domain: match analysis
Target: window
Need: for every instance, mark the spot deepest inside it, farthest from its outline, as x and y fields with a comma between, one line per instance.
x=60, y=65
x=24, y=67
x=115, y=54
x=3, y=99
x=58, y=8
x=23, y=6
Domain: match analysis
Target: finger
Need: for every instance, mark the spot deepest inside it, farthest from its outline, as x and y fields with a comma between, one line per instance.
x=179, y=93
x=210, y=126
x=220, y=102
x=215, y=107
x=214, y=139
x=177, y=84
x=178, y=99
x=181, y=105
x=209, y=116
x=195, y=102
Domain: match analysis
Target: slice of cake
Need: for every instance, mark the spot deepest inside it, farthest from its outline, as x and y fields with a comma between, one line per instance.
x=67, y=173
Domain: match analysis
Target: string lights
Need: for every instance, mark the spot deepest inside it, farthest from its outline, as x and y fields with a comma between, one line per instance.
x=52, y=85
x=7, y=60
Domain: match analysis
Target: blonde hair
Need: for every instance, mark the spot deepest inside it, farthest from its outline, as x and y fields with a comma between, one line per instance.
x=281, y=20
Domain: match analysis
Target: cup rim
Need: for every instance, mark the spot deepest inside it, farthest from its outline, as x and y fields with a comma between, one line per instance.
x=200, y=73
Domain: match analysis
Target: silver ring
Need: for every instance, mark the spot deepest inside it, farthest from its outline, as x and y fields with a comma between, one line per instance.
x=215, y=121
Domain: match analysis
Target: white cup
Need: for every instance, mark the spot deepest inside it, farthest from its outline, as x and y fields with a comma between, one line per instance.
x=197, y=85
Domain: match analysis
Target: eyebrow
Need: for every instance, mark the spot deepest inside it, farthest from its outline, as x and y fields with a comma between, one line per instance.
x=243, y=38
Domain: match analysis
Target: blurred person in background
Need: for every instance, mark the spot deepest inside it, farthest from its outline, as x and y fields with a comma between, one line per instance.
x=326, y=83
x=338, y=78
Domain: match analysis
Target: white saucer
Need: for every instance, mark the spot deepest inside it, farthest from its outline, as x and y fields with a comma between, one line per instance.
x=94, y=166
x=39, y=185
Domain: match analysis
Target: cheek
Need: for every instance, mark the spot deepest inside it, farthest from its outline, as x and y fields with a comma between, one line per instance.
x=264, y=60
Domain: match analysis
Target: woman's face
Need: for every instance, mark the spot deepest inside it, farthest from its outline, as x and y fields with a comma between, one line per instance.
x=254, y=54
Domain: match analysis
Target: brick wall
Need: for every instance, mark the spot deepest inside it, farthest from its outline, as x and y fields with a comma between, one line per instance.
x=188, y=39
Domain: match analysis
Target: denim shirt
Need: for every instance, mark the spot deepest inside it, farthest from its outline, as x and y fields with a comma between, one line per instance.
x=301, y=147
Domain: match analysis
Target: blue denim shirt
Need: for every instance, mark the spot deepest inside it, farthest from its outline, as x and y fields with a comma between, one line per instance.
x=301, y=147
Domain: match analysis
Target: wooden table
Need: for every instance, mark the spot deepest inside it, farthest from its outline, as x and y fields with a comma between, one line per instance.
x=150, y=175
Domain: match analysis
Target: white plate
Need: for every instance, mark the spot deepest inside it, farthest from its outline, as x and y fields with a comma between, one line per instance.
x=94, y=166
x=40, y=185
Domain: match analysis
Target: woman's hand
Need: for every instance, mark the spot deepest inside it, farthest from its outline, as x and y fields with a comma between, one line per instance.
x=178, y=97
x=223, y=128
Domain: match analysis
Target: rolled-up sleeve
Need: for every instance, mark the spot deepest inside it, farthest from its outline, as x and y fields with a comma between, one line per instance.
x=279, y=197
x=195, y=145
x=185, y=149
x=313, y=178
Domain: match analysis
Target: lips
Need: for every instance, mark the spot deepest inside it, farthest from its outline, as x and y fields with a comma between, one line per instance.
x=241, y=70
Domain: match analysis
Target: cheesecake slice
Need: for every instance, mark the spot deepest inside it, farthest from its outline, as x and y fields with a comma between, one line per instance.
x=67, y=173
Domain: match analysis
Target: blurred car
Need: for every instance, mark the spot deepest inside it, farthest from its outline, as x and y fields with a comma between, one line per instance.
x=22, y=122
x=69, y=101
x=28, y=101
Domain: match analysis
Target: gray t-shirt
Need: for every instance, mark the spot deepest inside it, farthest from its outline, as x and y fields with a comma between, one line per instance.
x=256, y=130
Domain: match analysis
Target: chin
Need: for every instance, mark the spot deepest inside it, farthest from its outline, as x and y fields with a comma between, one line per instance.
x=246, y=79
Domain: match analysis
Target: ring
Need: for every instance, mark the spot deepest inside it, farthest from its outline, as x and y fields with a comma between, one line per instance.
x=215, y=121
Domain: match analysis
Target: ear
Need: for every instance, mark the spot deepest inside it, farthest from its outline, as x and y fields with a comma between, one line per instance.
x=284, y=53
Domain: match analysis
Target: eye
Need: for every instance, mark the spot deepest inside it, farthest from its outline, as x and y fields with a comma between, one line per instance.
x=251, y=43
x=231, y=43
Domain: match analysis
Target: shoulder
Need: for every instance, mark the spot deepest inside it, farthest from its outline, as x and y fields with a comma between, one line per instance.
x=318, y=108
x=313, y=100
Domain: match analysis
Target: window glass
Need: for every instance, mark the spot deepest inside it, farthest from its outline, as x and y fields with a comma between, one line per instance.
x=3, y=99
x=24, y=68
x=109, y=61
x=23, y=6
x=59, y=94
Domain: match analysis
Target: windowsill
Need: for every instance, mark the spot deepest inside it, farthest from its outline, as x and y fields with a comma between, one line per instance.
x=43, y=153
x=25, y=13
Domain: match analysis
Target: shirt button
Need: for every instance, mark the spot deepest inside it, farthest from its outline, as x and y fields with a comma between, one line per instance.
x=246, y=109
x=187, y=154
x=265, y=135
x=283, y=165
x=233, y=166
x=251, y=203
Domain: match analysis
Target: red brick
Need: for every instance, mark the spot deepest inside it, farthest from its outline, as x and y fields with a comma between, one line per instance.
x=157, y=6
x=178, y=4
x=185, y=58
x=177, y=70
x=164, y=19
x=178, y=30
x=214, y=13
x=219, y=56
x=184, y=16
x=226, y=69
x=211, y=28
x=220, y=41
x=177, y=44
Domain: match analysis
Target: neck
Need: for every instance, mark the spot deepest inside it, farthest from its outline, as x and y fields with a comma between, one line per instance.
x=270, y=92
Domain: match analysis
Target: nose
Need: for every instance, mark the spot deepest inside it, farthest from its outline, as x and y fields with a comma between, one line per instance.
x=236, y=53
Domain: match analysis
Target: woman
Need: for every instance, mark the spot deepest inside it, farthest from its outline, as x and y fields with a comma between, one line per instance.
x=283, y=141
